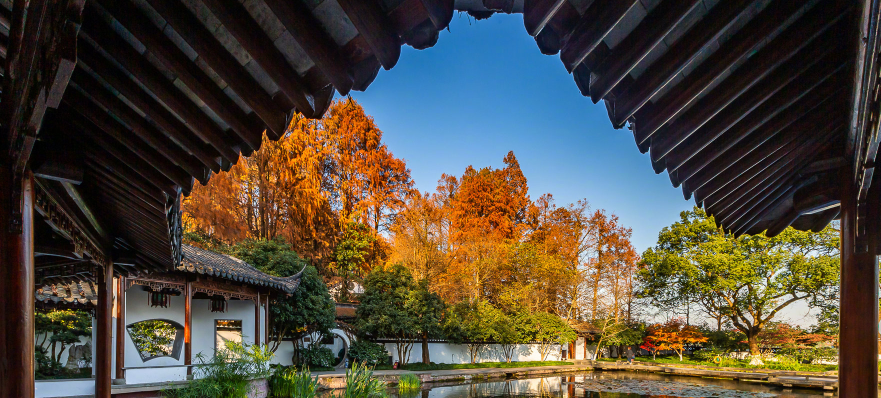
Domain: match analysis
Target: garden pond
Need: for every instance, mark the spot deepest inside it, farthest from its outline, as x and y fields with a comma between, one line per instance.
x=611, y=385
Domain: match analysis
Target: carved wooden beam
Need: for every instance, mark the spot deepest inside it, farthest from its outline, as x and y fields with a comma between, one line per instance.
x=41, y=57
x=225, y=289
x=67, y=226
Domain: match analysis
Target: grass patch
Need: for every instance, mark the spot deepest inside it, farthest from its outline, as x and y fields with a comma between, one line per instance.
x=290, y=383
x=482, y=365
x=409, y=381
x=728, y=362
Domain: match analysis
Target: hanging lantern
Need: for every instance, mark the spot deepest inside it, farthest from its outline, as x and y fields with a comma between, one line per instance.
x=159, y=299
x=218, y=304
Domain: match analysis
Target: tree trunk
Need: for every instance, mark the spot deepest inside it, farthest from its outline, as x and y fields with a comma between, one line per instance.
x=425, y=355
x=754, y=353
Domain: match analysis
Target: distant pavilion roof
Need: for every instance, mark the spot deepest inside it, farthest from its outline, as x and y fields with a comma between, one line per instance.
x=207, y=262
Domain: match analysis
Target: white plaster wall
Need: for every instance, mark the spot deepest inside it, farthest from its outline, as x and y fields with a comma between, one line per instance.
x=549, y=386
x=137, y=308
x=63, y=388
x=458, y=353
x=285, y=352
x=203, y=324
x=579, y=348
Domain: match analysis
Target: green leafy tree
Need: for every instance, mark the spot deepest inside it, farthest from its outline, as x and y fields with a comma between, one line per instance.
x=606, y=330
x=508, y=335
x=428, y=309
x=749, y=279
x=547, y=329
x=384, y=310
x=368, y=352
x=632, y=334
x=351, y=256
x=60, y=329
x=473, y=325
x=309, y=310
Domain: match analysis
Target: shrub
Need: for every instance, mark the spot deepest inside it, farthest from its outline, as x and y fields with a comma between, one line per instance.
x=409, y=381
x=811, y=354
x=368, y=352
x=360, y=383
x=287, y=382
x=707, y=354
x=783, y=362
x=227, y=374
x=318, y=355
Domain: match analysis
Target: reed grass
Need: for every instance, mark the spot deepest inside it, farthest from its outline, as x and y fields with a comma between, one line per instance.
x=409, y=381
x=290, y=383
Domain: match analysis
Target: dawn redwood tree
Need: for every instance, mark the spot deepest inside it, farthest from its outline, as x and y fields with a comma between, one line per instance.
x=306, y=186
x=674, y=335
x=749, y=279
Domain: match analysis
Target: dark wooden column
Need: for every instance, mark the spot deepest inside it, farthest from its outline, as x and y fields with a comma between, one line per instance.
x=104, y=323
x=120, y=329
x=188, y=327
x=257, y=319
x=266, y=319
x=858, y=358
x=17, y=285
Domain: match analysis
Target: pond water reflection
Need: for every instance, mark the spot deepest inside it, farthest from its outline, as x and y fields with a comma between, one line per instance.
x=614, y=385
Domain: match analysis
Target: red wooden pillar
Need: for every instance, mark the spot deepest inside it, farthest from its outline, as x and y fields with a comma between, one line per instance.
x=188, y=328
x=257, y=319
x=17, y=285
x=120, y=329
x=858, y=358
x=266, y=320
x=104, y=344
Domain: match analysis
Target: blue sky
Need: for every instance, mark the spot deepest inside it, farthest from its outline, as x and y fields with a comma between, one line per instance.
x=485, y=89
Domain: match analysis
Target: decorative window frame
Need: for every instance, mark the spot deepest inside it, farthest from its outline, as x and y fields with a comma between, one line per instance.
x=242, y=321
x=175, y=348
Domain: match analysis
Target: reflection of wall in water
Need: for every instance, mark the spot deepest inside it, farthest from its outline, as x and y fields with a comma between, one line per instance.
x=543, y=387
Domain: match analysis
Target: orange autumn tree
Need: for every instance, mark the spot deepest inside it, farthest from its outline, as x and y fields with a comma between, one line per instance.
x=481, y=237
x=488, y=207
x=306, y=187
x=674, y=335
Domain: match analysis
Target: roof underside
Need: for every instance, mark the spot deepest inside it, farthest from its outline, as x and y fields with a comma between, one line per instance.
x=745, y=103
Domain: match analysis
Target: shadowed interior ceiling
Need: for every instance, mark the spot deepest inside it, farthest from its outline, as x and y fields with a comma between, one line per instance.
x=748, y=105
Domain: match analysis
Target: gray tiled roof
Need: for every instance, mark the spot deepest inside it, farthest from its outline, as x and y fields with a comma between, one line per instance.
x=207, y=262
